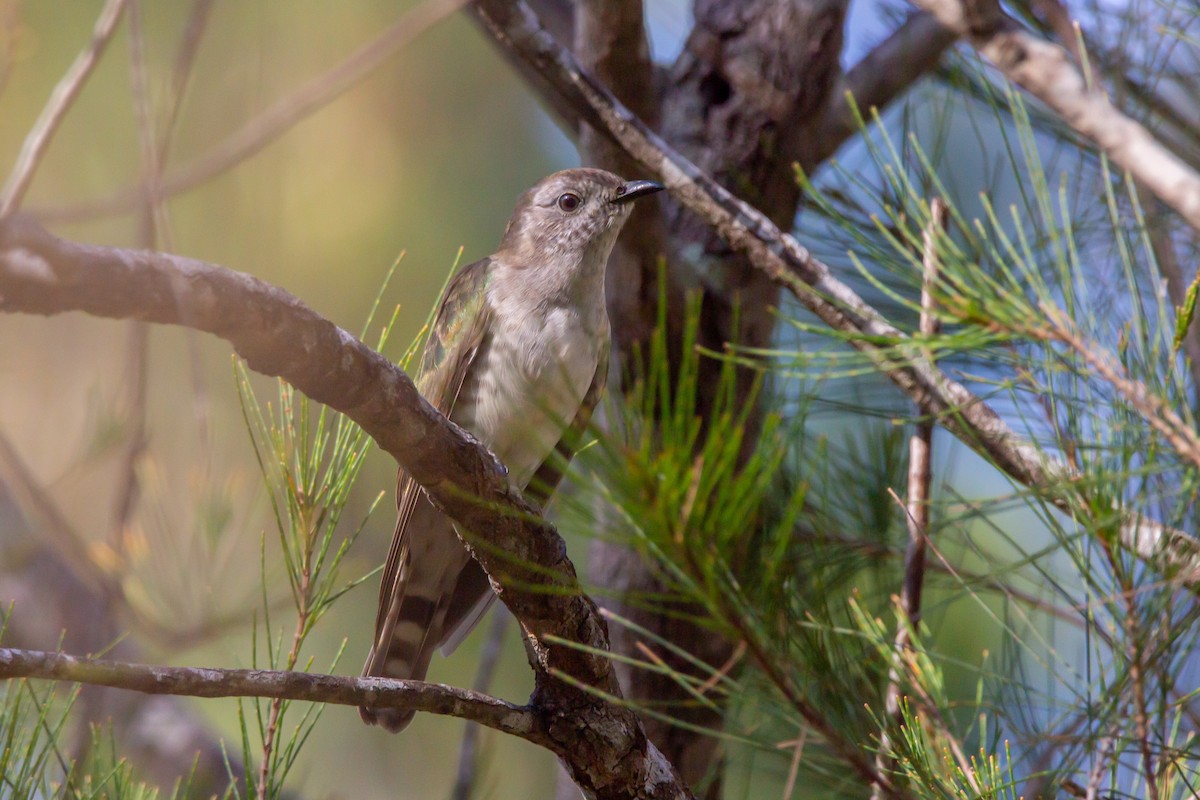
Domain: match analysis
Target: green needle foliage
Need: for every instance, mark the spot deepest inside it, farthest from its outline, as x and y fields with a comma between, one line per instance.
x=309, y=461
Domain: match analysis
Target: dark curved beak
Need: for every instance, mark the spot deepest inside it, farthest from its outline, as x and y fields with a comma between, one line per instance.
x=634, y=189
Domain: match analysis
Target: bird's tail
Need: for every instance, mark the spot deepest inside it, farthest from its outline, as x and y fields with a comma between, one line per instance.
x=404, y=653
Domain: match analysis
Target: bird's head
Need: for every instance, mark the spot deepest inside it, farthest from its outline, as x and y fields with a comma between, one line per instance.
x=570, y=215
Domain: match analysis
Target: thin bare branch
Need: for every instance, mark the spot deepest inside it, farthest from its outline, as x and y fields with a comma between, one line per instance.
x=885, y=73
x=64, y=94
x=277, y=120
x=181, y=72
x=920, y=477
x=433, y=698
x=19, y=482
x=1154, y=410
x=1047, y=72
x=137, y=351
x=783, y=258
x=279, y=335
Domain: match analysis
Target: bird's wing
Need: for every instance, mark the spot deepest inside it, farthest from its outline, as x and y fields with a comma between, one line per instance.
x=458, y=333
x=473, y=594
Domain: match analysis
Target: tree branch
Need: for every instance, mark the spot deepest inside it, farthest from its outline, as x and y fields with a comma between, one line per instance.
x=882, y=75
x=434, y=698
x=277, y=120
x=1047, y=72
x=920, y=477
x=750, y=233
x=64, y=94
x=279, y=335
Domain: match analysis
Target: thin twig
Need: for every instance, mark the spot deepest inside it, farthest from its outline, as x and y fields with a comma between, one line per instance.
x=911, y=51
x=64, y=94
x=1048, y=72
x=31, y=498
x=1153, y=409
x=277, y=120
x=1098, y=768
x=920, y=474
x=797, y=745
x=433, y=698
x=137, y=351
x=468, y=755
x=1136, y=652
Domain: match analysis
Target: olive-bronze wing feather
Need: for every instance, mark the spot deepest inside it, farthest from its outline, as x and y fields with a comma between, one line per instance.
x=459, y=331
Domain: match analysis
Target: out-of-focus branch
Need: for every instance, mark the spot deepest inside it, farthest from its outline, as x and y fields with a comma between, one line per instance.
x=1047, y=72
x=883, y=74
x=268, y=126
x=558, y=18
x=56, y=108
x=783, y=258
x=434, y=698
x=61, y=598
x=602, y=744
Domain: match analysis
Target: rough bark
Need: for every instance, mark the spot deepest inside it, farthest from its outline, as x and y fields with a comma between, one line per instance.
x=739, y=102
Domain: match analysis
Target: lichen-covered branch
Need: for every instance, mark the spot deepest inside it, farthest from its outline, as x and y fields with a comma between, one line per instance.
x=434, y=698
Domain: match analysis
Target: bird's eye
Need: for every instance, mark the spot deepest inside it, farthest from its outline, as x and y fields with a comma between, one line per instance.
x=569, y=202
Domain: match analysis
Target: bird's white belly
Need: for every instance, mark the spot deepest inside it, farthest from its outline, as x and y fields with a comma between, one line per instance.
x=529, y=388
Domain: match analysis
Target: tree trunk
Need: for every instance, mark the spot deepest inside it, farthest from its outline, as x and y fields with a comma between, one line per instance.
x=743, y=101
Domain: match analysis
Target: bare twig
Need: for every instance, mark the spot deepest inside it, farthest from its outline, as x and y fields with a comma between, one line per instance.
x=181, y=72
x=138, y=348
x=276, y=120
x=797, y=746
x=60, y=101
x=748, y=232
x=278, y=335
x=1138, y=662
x=920, y=474
x=1047, y=72
x=1154, y=410
x=883, y=74
x=19, y=482
x=468, y=755
x=433, y=698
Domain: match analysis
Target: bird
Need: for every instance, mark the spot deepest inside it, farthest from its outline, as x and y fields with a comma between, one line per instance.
x=518, y=356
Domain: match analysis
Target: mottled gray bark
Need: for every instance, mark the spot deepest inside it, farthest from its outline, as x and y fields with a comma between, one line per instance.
x=742, y=101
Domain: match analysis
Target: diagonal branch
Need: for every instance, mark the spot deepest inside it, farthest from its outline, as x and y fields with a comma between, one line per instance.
x=1047, y=72
x=601, y=744
x=434, y=698
x=896, y=63
x=64, y=94
x=783, y=258
x=277, y=120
